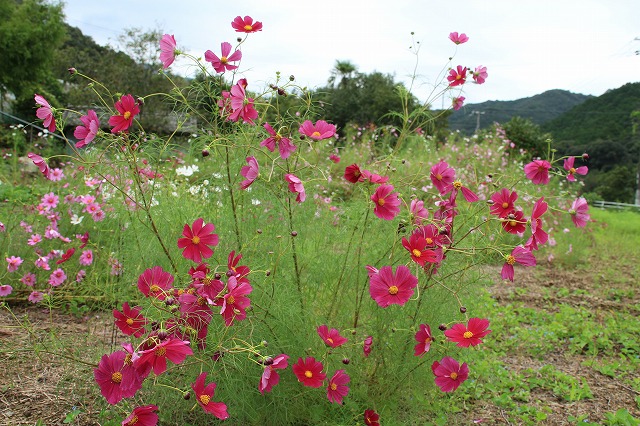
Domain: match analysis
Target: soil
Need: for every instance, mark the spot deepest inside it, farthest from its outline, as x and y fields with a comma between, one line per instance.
x=33, y=388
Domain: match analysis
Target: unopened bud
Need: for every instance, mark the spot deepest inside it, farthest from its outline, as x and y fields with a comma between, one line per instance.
x=294, y=234
x=292, y=77
x=267, y=273
x=345, y=361
x=259, y=231
x=140, y=101
x=162, y=334
x=463, y=309
x=281, y=92
x=205, y=153
x=268, y=361
x=442, y=327
x=217, y=276
x=585, y=156
x=239, y=39
x=72, y=71
x=186, y=396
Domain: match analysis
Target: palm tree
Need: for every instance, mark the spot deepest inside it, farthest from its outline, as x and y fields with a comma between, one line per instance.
x=344, y=70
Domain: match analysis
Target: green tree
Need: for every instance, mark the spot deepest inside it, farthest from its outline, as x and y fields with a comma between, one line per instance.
x=30, y=31
x=343, y=70
x=525, y=134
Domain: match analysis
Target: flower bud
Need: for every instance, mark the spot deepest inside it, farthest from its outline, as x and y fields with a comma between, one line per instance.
x=442, y=327
x=186, y=396
x=292, y=77
x=268, y=361
x=294, y=234
x=267, y=273
x=239, y=39
x=162, y=334
x=217, y=276
x=345, y=361
x=585, y=156
x=463, y=309
x=72, y=71
x=205, y=153
x=281, y=92
x=258, y=231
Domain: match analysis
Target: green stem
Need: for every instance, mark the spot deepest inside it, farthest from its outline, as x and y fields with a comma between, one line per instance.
x=295, y=255
x=233, y=201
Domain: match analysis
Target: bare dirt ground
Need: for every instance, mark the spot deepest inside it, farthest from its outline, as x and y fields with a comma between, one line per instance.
x=33, y=388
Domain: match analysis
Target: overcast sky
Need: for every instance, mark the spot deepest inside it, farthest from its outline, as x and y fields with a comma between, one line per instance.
x=584, y=46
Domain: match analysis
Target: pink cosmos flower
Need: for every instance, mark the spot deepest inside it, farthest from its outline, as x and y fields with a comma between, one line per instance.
x=57, y=277
x=285, y=147
x=538, y=235
x=514, y=222
x=13, y=263
x=457, y=102
x=468, y=194
x=197, y=240
x=417, y=247
x=222, y=64
x=449, y=373
x=116, y=379
x=374, y=178
x=168, y=51
x=424, y=339
x=40, y=163
x=458, y=38
x=127, y=109
x=296, y=186
x=353, y=173
x=45, y=113
x=519, y=255
x=28, y=279
x=42, y=263
x=173, y=349
x=142, y=416
x=331, y=337
x=204, y=395
x=387, y=288
x=35, y=297
x=130, y=321
x=320, y=130
x=270, y=376
x=155, y=282
x=480, y=74
x=309, y=372
x=246, y=25
x=442, y=177
x=469, y=335
x=538, y=171
x=250, y=172
x=578, y=212
x=568, y=166
x=371, y=418
x=335, y=158
x=86, y=258
x=458, y=76
x=5, y=290
x=386, y=202
x=337, y=388
x=241, y=105
x=88, y=131
x=235, y=302
x=418, y=212
x=503, y=202
x=50, y=200
x=367, y=345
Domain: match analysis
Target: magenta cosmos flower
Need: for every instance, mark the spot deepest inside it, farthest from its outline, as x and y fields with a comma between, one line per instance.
x=246, y=25
x=337, y=388
x=367, y=344
x=457, y=102
x=116, y=378
x=519, y=255
x=40, y=164
x=418, y=212
x=320, y=130
x=5, y=290
x=386, y=202
x=285, y=147
x=130, y=321
x=235, y=302
x=480, y=74
x=89, y=129
x=449, y=373
x=353, y=173
x=371, y=418
x=168, y=51
x=204, y=395
x=503, y=202
x=45, y=113
x=538, y=235
x=142, y=416
x=458, y=38
x=250, y=172
x=331, y=337
x=514, y=222
x=424, y=339
x=469, y=335
x=578, y=212
x=538, y=171
x=270, y=376
x=458, y=76
x=175, y=350
x=296, y=186
x=197, y=240
x=387, y=288
x=309, y=372
x=222, y=63
x=442, y=177
x=568, y=166
x=417, y=247
x=241, y=104
x=127, y=109
x=155, y=282
x=13, y=263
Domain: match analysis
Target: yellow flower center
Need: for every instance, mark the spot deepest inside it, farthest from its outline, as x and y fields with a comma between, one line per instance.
x=161, y=351
x=248, y=28
x=572, y=171
x=453, y=375
x=201, y=301
x=128, y=359
x=316, y=134
x=429, y=241
x=308, y=374
x=510, y=259
x=195, y=239
x=467, y=335
x=457, y=184
x=505, y=205
x=155, y=288
x=129, y=321
x=393, y=290
x=133, y=421
x=333, y=386
x=277, y=137
x=127, y=115
x=205, y=399
x=381, y=201
x=116, y=377
x=231, y=300
x=224, y=60
x=513, y=223
x=427, y=340
x=439, y=176
x=416, y=252
x=330, y=340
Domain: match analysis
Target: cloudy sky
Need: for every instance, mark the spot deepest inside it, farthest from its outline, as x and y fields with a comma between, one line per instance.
x=584, y=46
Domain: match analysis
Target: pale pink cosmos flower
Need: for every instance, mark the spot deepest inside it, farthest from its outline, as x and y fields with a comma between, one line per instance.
x=578, y=212
x=519, y=255
x=45, y=113
x=5, y=290
x=457, y=103
x=568, y=166
x=42, y=263
x=57, y=277
x=50, y=201
x=56, y=175
x=35, y=239
x=458, y=38
x=35, y=297
x=168, y=51
x=241, y=104
x=80, y=275
x=88, y=131
x=418, y=212
x=28, y=279
x=480, y=74
x=13, y=263
x=40, y=164
x=222, y=63
x=86, y=258
x=250, y=172
x=320, y=130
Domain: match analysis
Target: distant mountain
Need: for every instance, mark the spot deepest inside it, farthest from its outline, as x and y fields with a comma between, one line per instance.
x=539, y=109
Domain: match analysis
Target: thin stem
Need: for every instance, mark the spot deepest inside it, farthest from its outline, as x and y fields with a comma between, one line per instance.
x=295, y=255
x=233, y=201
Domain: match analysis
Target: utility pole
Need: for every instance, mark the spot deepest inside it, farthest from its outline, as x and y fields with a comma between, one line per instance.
x=478, y=114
